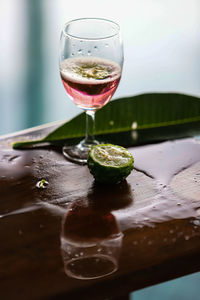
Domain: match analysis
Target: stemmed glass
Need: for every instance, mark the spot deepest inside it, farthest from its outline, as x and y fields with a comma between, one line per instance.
x=91, y=60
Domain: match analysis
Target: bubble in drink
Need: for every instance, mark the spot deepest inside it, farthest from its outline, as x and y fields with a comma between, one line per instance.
x=90, y=81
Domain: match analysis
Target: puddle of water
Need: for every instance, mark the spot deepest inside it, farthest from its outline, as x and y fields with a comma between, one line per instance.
x=21, y=211
x=162, y=161
x=12, y=165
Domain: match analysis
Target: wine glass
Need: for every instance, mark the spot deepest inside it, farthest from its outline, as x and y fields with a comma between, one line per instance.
x=91, y=60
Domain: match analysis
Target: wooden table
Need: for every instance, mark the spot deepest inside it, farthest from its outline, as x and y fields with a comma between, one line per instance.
x=156, y=211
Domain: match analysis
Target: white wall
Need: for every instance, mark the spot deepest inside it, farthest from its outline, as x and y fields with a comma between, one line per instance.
x=12, y=52
x=161, y=44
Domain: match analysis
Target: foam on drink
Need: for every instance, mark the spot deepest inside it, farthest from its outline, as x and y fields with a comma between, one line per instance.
x=90, y=81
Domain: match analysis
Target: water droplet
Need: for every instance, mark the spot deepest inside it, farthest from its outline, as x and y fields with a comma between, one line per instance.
x=80, y=51
x=106, y=45
x=187, y=237
x=196, y=222
x=198, y=211
x=89, y=52
x=180, y=233
x=95, y=47
x=42, y=184
x=72, y=54
x=171, y=231
x=178, y=204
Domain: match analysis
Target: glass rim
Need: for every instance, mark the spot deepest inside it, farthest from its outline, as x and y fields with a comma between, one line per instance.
x=89, y=38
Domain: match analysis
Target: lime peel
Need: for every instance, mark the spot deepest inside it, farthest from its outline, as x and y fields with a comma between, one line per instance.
x=110, y=163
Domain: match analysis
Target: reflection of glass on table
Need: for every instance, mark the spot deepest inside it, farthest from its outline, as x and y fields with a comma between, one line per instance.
x=90, y=243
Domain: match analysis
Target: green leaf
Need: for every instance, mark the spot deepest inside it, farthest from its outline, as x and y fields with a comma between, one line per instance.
x=123, y=115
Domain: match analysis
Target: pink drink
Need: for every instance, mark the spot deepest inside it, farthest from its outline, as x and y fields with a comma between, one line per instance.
x=90, y=81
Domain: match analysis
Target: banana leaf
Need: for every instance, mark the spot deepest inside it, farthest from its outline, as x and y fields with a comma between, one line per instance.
x=132, y=120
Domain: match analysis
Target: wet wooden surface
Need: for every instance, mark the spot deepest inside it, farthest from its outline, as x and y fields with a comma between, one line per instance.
x=156, y=211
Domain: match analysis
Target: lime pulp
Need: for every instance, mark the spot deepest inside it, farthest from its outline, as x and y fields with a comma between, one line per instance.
x=110, y=163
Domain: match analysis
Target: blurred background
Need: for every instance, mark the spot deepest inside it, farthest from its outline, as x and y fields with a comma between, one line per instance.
x=162, y=53
x=161, y=45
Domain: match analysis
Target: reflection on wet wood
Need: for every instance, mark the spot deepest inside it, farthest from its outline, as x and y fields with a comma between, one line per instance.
x=157, y=211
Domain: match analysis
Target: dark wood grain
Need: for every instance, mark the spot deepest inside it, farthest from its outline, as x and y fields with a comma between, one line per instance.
x=157, y=209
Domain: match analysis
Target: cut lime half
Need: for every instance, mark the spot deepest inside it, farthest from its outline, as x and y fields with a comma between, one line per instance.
x=110, y=163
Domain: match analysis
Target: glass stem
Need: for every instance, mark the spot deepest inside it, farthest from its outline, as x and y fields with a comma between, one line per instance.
x=90, y=123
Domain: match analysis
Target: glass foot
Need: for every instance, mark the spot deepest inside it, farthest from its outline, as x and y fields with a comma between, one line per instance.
x=78, y=153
